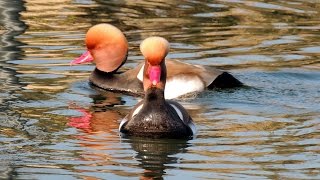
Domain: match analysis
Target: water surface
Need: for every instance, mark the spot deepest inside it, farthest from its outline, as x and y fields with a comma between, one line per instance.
x=54, y=125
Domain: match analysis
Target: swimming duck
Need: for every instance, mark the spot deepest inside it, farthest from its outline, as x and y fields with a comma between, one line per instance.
x=155, y=116
x=107, y=47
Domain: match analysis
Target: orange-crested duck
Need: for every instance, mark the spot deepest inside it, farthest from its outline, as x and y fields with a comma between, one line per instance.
x=107, y=47
x=155, y=116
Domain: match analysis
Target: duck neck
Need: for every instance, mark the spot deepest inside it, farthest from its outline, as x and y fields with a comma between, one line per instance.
x=104, y=74
x=154, y=95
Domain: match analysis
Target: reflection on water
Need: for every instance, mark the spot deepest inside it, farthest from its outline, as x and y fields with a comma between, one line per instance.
x=54, y=125
x=10, y=26
x=156, y=155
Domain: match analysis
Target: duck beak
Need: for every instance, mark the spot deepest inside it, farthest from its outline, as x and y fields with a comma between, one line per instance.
x=155, y=74
x=84, y=58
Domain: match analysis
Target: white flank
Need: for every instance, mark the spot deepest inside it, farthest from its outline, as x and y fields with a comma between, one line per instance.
x=178, y=86
x=137, y=110
x=124, y=120
x=178, y=111
x=140, y=74
x=190, y=124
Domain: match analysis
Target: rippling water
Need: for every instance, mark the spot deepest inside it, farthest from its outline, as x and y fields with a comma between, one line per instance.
x=54, y=125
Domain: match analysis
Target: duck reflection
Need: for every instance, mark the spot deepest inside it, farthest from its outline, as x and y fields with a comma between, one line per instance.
x=100, y=126
x=93, y=122
x=97, y=137
x=102, y=116
x=155, y=154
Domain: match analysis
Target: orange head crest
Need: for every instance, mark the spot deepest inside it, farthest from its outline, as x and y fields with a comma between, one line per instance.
x=104, y=34
x=107, y=48
x=154, y=49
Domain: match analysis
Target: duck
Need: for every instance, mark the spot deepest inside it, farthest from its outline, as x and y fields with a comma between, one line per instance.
x=107, y=47
x=155, y=116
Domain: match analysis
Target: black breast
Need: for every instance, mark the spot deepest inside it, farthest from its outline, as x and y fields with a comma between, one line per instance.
x=156, y=119
x=117, y=82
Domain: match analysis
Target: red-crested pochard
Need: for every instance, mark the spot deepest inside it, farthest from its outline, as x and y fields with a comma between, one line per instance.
x=154, y=116
x=107, y=47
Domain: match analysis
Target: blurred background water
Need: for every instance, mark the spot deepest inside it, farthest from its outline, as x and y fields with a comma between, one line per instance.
x=54, y=125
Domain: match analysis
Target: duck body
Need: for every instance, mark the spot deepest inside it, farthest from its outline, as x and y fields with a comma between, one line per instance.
x=158, y=118
x=182, y=79
x=117, y=82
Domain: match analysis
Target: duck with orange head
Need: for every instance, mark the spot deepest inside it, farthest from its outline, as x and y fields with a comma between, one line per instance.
x=107, y=47
x=155, y=116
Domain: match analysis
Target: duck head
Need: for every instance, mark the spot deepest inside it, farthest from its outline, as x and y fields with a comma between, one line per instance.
x=154, y=50
x=107, y=47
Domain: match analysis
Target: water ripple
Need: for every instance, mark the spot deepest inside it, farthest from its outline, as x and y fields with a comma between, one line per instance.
x=54, y=125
